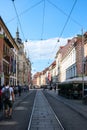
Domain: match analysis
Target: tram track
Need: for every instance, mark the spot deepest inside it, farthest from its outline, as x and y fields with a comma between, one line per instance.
x=43, y=116
x=70, y=105
x=69, y=117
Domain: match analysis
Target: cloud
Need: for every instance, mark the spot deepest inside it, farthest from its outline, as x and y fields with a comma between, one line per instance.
x=40, y=52
x=43, y=49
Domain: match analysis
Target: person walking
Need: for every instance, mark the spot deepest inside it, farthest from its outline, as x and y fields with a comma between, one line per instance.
x=19, y=90
x=8, y=99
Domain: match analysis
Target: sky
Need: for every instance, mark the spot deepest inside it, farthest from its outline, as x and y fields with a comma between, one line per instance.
x=42, y=23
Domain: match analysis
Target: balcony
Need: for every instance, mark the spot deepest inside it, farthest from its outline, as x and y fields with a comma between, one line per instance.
x=8, y=42
x=6, y=56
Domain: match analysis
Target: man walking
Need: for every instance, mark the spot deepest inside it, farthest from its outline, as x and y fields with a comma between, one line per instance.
x=8, y=98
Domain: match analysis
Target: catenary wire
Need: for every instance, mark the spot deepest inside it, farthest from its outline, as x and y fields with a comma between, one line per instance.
x=18, y=19
x=27, y=10
x=59, y=9
x=65, y=25
x=44, y=15
x=66, y=22
x=63, y=12
x=43, y=21
x=20, y=25
x=68, y=18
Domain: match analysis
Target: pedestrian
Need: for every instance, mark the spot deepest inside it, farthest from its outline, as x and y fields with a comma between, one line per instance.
x=8, y=99
x=19, y=90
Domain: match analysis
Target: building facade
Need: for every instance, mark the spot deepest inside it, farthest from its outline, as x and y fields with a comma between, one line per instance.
x=70, y=63
x=8, y=56
x=23, y=63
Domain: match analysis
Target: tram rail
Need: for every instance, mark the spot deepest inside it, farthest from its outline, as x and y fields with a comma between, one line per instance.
x=43, y=117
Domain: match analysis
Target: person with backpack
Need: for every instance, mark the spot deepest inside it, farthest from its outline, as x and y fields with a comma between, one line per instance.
x=8, y=99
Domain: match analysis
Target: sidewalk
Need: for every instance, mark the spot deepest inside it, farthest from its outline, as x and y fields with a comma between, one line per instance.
x=18, y=99
x=74, y=104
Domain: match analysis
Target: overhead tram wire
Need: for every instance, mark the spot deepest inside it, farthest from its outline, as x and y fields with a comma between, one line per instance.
x=68, y=18
x=63, y=12
x=42, y=31
x=43, y=21
x=27, y=10
x=65, y=24
x=33, y=6
x=19, y=21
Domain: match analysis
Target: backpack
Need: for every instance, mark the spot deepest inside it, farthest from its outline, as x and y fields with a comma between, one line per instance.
x=6, y=94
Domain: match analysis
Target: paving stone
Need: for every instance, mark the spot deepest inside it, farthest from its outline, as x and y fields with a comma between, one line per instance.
x=43, y=117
